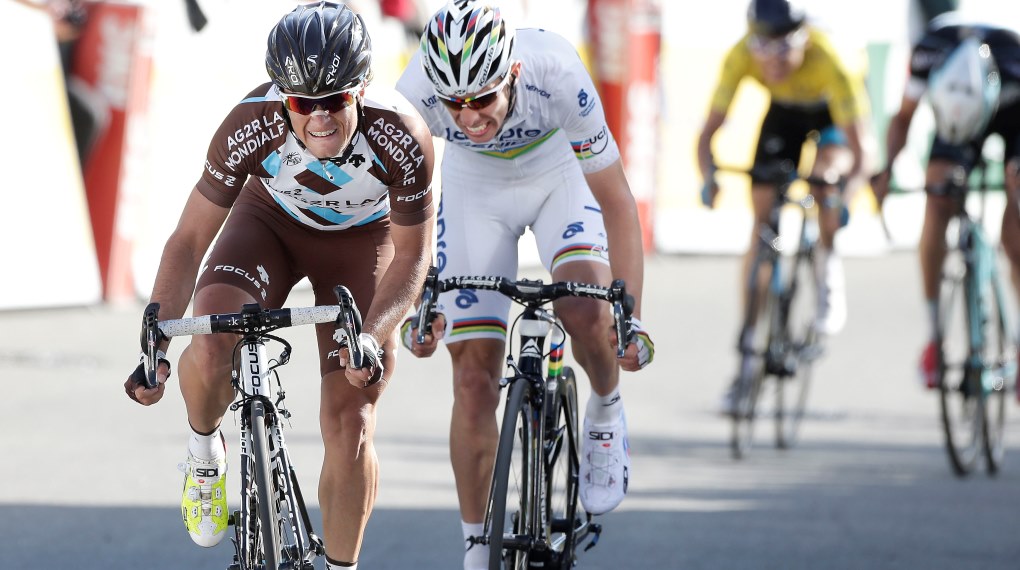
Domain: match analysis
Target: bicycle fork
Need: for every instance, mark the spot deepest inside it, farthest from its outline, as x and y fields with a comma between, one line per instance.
x=981, y=275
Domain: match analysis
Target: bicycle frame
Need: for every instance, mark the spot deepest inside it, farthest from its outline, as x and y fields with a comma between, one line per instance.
x=973, y=374
x=536, y=326
x=268, y=479
x=255, y=381
x=537, y=401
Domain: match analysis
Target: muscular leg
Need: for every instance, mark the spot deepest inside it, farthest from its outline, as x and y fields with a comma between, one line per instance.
x=932, y=246
x=762, y=198
x=1010, y=236
x=350, y=468
x=205, y=363
x=830, y=161
x=474, y=433
x=588, y=322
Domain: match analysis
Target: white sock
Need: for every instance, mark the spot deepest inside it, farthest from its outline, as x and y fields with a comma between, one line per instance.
x=208, y=447
x=334, y=565
x=604, y=410
x=476, y=556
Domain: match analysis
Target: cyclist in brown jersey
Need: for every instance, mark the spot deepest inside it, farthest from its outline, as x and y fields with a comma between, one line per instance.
x=319, y=181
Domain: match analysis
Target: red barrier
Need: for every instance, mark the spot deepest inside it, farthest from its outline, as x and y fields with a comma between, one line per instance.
x=109, y=58
x=625, y=40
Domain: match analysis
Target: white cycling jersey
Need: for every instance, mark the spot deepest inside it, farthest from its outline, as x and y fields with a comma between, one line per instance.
x=556, y=109
x=529, y=175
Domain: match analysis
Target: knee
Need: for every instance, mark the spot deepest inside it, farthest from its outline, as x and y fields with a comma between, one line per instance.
x=584, y=318
x=210, y=356
x=348, y=426
x=476, y=388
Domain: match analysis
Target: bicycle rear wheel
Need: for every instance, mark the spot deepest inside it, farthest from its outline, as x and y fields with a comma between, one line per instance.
x=800, y=349
x=268, y=508
x=511, y=525
x=999, y=358
x=960, y=396
x=754, y=344
x=562, y=466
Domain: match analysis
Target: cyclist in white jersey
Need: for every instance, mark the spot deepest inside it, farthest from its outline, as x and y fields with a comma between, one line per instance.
x=322, y=182
x=527, y=145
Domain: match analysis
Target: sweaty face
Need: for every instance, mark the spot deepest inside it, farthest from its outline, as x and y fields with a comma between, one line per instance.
x=325, y=134
x=481, y=124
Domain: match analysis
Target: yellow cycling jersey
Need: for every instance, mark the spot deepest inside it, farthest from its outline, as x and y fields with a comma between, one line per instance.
x=821, y=79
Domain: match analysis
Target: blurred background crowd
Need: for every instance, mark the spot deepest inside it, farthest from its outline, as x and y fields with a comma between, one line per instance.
x=124, y=96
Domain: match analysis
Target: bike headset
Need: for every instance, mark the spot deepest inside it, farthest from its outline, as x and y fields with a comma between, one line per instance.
x=774, y=18
x=318, y=49
x=964, y=92
x=466, y=46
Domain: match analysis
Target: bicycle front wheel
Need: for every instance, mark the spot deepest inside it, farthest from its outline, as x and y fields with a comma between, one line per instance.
x=998, y=356
x=562, y=467
x=268, y=509
x=800, y=349
x=960, y=398
x=511, y=526
x=754, y=345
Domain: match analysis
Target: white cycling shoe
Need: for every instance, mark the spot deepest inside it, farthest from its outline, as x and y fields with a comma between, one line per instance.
x=831, y=316
x=605, y=466
x=204, y=500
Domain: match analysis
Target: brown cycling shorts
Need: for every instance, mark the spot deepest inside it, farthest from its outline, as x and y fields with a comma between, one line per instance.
x=266, y=253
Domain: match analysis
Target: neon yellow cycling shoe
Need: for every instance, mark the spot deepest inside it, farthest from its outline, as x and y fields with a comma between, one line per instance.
x=204, y=500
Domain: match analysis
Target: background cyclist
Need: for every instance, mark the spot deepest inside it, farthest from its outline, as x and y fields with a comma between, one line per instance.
x=319, y=182
x=812, y=95
x=526, y=146
x=971, y=72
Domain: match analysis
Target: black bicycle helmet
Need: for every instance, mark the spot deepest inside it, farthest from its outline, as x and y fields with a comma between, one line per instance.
x=319, y=48
x=774, y=18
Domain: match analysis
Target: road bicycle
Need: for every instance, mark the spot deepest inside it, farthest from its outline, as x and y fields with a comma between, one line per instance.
x=272, y=529
x=976, y=350
x=778, y=343
x=532, y=518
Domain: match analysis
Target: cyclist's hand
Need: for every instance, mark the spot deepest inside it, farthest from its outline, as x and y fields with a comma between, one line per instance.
x=640, y=348
x=371, y=370
x=880, y=186
x=409, y=333
x=135, y=388
x=709, y=190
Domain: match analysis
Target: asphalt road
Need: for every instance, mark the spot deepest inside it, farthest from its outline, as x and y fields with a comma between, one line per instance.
x=88, y=478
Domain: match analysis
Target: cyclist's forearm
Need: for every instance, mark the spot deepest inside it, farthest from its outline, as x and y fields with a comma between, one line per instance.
x=626, y=250
x=175, y=279
x=401, y=285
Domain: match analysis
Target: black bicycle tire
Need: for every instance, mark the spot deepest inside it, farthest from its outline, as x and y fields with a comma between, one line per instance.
x=561, y=424
x=752, y=367
x=800, y=343
x=515, y=425
x=953, y=395
x=994, y=404
x=267, y=508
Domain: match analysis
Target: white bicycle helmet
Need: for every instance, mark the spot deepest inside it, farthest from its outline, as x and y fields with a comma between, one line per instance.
x=964, y=92
x=465, y=46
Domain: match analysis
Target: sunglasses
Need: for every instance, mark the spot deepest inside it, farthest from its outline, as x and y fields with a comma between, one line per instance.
x=330, y=102
x=477, y=102
x=770, y=46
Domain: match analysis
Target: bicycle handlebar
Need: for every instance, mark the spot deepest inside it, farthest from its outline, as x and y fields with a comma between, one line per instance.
x=529, y=293
x=253, y=319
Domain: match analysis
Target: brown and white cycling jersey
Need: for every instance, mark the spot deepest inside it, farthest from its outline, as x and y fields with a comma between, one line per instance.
x=387, y=172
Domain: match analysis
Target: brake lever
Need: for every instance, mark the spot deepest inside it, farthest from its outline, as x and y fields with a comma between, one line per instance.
x=151, y=336
x=348, y=324
x=426, y=310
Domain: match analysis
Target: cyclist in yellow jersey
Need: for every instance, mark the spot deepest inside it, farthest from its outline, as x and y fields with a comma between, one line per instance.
x=813, y=95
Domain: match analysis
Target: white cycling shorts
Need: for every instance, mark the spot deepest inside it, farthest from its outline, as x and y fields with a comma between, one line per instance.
x=480, y=222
